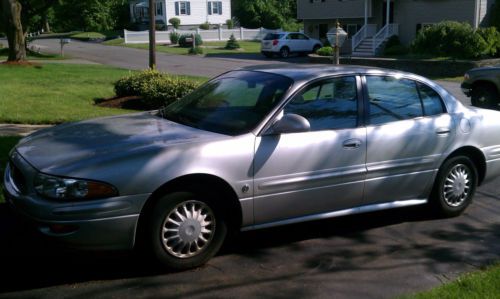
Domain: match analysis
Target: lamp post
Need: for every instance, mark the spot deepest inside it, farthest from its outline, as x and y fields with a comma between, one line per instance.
x=337, y=36
x=152, y=35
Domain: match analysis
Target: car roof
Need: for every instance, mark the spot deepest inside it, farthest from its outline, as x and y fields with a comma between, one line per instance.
x=303, y=72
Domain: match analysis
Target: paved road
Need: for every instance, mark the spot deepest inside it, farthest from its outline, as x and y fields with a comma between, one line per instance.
x=137, y=59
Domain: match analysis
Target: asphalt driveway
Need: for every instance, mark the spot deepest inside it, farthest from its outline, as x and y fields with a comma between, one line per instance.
x=377, y=255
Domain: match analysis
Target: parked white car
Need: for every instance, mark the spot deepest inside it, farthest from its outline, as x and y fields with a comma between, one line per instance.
x=285, y=43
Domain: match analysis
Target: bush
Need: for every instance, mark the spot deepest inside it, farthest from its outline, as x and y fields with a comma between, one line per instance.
x=325, y=51
x=205, y=26
x=174, y=38
x=232, y=44
x=155, y=89
x=230, y=24
x=176, y=22
x=292, y=26
x=195, y=51
x=454, y=39
x=393, y=46
x=183, y=43
x=492, y=38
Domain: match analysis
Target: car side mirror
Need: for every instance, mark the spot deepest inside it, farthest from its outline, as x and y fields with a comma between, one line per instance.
x=290, y=123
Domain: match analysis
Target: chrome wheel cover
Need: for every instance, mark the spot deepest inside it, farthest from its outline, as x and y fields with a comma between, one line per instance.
x=188, y=229
x=457, y=185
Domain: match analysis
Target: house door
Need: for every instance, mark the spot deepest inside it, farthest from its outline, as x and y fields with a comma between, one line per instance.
x=384, y=13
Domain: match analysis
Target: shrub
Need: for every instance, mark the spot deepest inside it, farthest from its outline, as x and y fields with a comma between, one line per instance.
x=492, y=38
x=176, y=22
x=205, y=26
x=230, y=24
x=195, y=51
x=185, y=44
x=458, y=40
x=325, y=51
x=174, y=38
x=155, y=89
x=292, y=26
x=393, y=46
x=232, y=44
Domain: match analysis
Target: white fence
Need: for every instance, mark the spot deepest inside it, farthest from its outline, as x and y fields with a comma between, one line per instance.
x=142, y=37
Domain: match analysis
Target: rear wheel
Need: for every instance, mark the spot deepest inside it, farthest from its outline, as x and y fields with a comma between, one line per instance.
x=284, y=52
x=484, y=96
x=185, y=230
x=454, y=187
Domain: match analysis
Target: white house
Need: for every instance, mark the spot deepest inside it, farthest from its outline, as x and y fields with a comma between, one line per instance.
x=190, y=12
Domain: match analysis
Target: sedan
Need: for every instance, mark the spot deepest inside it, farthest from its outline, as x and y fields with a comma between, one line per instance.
x=286, y=43
x=253, y=148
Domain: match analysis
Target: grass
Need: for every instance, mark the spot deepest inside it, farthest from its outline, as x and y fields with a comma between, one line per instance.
x=481, y=285
x=55, y=93
x=209, y=48
x=86, y=36
x=6, y=144
x=4, y=53
x=458, y=79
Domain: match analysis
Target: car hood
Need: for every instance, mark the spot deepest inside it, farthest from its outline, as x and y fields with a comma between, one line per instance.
x=74, y=145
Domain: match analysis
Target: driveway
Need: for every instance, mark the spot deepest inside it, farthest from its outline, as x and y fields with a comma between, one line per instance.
x=377, y=255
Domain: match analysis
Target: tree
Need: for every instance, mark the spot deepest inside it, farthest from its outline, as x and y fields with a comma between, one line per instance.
x=270, y=14
x=16, y=18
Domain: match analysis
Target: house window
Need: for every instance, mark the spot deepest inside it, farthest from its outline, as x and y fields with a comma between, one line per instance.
x=159, y=8
x=214, y=7
x=182, y=8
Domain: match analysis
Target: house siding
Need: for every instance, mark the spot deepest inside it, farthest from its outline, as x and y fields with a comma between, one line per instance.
x=409, y=13
x=199, y=12
x=331, y=9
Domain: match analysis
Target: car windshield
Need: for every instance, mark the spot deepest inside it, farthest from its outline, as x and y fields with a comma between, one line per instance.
x=271, y=36
x=231, y=104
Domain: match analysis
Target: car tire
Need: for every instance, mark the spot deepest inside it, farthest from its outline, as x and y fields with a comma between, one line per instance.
x=455, y=186
x=316, y=48
x=484, y=96
x=184, y=230
x=285, y=52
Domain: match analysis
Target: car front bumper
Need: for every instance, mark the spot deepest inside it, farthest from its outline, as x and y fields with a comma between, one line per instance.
x=105, y=224
x=466, y=88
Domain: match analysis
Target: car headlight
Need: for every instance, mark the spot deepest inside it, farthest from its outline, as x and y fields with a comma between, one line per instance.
x=466, y=76
x=67, y=188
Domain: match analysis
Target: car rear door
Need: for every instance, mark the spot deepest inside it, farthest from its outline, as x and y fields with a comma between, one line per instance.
x=311, y=173
x=408, y=130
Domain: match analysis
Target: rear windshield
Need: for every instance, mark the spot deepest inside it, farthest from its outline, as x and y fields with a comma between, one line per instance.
x=271, y=36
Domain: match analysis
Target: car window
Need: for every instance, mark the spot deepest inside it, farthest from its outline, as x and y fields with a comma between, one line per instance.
x=392, y=99
x=292, y=36
x=302, y=36
x=431, y=101
x=327, y=105
x=271, y=36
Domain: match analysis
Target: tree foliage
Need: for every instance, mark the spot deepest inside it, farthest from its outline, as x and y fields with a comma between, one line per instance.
x=270, y=14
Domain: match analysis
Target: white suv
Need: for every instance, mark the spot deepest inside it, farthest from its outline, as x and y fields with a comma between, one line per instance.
x=284, y=43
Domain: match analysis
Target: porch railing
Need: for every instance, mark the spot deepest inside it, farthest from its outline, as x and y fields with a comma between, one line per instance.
x=367, y=30
x=383, y=34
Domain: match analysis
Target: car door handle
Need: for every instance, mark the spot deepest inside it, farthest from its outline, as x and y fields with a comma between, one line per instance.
x=443, y=131
x=352, y=144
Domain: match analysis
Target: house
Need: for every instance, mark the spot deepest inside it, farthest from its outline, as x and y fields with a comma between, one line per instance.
x=190, y=12
x=370, y=22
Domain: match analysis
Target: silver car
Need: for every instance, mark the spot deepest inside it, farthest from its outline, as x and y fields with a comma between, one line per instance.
x=250, y=149
x=286, y=43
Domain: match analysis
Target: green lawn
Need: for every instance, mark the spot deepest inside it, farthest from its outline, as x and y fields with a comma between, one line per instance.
x=55, y=93
x=476, y=285
x=209, y=48
x=4, y=53
x=86, y=36
x=6, y=143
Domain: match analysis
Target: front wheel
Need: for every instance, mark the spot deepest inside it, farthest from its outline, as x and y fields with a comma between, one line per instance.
x=485, y=96
x=285, y=52
x=455, y=185
x=185, y=230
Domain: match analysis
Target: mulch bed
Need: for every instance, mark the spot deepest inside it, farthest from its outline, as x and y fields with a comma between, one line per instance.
x=128, y=102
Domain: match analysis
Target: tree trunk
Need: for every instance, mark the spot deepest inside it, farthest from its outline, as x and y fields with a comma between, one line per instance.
x=152, y=35
x=46, y=25
x=14, y=30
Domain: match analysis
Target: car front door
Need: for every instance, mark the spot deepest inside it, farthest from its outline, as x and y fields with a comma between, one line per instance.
x=308, y=174
x=408, y=130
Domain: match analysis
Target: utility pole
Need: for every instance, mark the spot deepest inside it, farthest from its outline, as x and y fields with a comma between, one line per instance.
x=152, y=35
